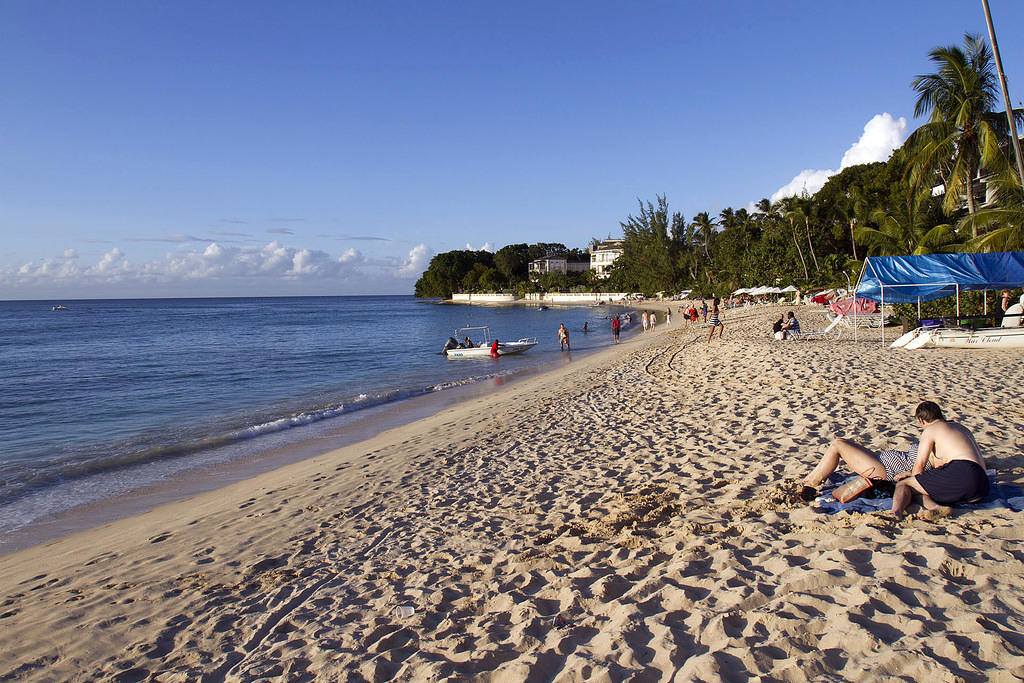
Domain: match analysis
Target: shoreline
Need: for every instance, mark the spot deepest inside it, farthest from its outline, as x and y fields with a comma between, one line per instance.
x=620, y=514
x=202, y=478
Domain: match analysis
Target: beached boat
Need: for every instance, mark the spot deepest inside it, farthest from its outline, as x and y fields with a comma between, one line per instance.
x=476, y=343
x=963, y=338
x=989, y=338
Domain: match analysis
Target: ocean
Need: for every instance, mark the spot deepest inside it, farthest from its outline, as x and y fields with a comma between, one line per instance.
x=113, y=396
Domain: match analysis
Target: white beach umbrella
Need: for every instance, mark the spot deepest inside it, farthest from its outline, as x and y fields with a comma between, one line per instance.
x=791, y=288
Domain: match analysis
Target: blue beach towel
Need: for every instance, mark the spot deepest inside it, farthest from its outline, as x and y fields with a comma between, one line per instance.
x=999, y=496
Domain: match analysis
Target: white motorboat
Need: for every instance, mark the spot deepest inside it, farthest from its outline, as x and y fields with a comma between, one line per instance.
x=476, y=343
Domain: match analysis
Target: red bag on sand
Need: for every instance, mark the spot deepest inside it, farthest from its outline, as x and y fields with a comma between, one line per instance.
x=854, y=487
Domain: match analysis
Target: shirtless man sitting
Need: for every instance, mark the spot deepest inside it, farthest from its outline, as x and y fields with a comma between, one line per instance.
x=958, y=470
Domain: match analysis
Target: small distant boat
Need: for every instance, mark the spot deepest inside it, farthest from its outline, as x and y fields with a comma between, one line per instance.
x=59, y=307
x=476, y=343
x=542, y=308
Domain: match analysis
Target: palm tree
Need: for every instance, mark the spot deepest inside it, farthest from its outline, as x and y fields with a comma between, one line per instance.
x=906, y=232
x=705, y=227
x=788, y=208
x=1005, y=220
x=806, y=208
x=962, y=134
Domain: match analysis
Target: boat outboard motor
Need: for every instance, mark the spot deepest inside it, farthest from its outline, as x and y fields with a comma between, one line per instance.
x=452, y=343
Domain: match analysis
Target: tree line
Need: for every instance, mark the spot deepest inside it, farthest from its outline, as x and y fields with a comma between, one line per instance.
x=951, y=187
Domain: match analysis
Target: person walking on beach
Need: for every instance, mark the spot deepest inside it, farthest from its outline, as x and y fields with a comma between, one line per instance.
x=563, y=337
x=704, y=308
x=958, y=469
x=653, y=320
x=668, y=316
x=645, y=321
x=616, y=324
x=715, y=321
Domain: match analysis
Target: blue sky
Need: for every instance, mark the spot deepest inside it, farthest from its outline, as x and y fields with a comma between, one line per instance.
x=272, y=148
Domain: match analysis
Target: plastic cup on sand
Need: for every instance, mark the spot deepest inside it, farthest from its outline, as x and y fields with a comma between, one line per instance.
x=404, y=611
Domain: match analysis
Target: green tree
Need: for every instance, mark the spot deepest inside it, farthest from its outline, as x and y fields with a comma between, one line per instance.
x=1004, y=221
x=847, y=197
x=908, y=230
x=787, y=207
x=447, y=270
x=513, y=261
x=962, y=133
x=651, y=248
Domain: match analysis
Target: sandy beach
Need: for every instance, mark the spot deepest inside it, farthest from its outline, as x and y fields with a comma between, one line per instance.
x=622, y=517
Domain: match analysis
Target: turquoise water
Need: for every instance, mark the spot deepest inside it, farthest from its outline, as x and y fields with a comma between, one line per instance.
x=109, y=396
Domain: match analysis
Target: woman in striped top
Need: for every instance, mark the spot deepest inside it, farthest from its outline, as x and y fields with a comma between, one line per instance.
x=715, y=321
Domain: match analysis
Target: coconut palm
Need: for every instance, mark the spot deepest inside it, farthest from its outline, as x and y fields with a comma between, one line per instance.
x=705, y=227
x=789, y=209
x=1005, y=220
x=962, y=134
x=906, y=231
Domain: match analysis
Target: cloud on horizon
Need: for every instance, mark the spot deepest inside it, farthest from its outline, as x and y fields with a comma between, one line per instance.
x=882, y=134
x=216, y=264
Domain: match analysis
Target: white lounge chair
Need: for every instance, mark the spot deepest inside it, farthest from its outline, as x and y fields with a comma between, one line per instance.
x=833, y=331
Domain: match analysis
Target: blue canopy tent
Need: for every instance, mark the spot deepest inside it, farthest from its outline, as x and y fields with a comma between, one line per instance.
x=909, y=279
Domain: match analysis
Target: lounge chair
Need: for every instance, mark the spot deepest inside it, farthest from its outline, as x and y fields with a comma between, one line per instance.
x=833, y=331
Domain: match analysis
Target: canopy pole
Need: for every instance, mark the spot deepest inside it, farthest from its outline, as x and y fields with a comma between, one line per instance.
x=918, y=310
x=984, y=301
x=860, y=278
x=881, y=310
x=958, y=303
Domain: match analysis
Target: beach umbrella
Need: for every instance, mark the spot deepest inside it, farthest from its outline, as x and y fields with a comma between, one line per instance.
x=791, y=288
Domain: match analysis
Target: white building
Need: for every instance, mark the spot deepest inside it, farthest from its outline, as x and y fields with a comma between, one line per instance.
x=604, y=255
x=556, y=264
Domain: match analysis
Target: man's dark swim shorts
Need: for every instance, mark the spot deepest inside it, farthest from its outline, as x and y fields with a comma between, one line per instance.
x=958, y=481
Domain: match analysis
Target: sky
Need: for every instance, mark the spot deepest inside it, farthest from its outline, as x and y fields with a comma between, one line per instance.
x=266, y=148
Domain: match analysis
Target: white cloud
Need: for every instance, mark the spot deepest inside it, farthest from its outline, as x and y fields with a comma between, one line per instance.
x=882, y=134
x=218, y=267
x=809, y=181
x=350, y=256
x=112, y=261
x=487, y=246
x=419, y=259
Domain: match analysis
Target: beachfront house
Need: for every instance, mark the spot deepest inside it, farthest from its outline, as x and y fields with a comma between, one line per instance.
x=604, y=255
x=556, y=264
